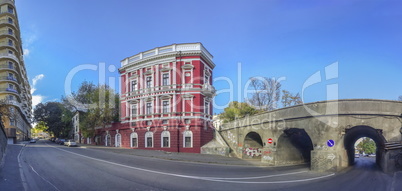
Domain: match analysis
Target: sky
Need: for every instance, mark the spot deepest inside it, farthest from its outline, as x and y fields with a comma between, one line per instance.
x=345, y=49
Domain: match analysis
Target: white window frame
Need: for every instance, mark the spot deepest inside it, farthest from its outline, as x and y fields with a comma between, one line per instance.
x=163, y=135
x=133, y=135
x=187, y=133
x=116, y=142
x=147, y=135
x=108, y=137
x=207, y=107
x=150, y=82
x=165, y=108
x=149, y=111
x=163, y=79
x=134, y=106
x=134, y=88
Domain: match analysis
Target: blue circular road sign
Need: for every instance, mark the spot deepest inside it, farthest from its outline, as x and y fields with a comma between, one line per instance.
x=330, y=143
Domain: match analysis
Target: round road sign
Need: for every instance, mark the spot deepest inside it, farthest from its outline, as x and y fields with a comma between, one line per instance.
x=270, y=141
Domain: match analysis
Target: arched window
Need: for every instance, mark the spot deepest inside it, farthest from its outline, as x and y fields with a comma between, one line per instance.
x=117, y=140
x=149, y=139
x=134, y=139
x=108, y=140
x=188, y=139
x=165, y=139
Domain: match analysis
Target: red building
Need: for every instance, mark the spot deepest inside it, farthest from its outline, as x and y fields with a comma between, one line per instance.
x=166, y=100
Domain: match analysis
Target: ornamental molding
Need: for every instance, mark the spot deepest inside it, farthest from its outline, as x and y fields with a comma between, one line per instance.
x=151, y=98
x=188, y=96
x=207, y=73
x=148, y=72
x=187, y=66
x=165, y=69
x=165, y=97
x=133, y=76
x=133, y=101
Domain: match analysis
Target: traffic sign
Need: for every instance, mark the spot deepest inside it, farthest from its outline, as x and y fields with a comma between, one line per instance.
x=330, y=143
x=270, y=141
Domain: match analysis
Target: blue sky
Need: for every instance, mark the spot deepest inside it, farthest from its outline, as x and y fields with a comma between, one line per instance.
x=273, y=38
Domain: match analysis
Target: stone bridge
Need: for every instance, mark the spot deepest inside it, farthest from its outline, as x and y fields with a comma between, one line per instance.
x=320, y=133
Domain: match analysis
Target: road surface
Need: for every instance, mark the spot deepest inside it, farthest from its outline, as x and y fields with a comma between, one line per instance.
x=48, y=166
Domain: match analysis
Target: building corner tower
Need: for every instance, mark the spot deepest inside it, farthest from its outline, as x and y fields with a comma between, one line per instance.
x=15, y=91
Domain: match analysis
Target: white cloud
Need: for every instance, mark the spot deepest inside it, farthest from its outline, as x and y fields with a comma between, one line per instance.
x=26, y=52
x=37, y=78
x=36, y=99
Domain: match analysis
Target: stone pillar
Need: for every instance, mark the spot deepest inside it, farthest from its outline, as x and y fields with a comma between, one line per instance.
x=324, y=161
x=268, y=156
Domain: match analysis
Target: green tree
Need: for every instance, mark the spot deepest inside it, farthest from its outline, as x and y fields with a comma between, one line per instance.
x=54, y=115
x=237, y=110
x=40, y=127
x=368, y=146
x=99, y=106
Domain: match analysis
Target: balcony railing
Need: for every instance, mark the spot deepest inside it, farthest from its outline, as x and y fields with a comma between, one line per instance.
x=9, y=56
x=9, y=90
x=208, y=89
x=7, y=66
x=168, y=49
x=9, y=78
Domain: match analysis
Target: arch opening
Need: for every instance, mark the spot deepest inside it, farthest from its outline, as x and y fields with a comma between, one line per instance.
x=363, y=133
x=294, y=146
x=252, y=146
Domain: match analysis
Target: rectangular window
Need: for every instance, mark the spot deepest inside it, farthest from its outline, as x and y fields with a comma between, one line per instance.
x=165, y=108
x=10, y=86
x=12, y=122
x=187, y=142
x=165, y=79
x=10, y=31
x=134, y=110
x=10, y=20
x=10, y=10
x=149, y=81
x=10, y=97
x=206, y=107
x=149, y=108
x=165, y=121
x=149, y=141
x=134, y=85
x=165, y=142
x=10, y=65
x=10, y=43
x=134, y=141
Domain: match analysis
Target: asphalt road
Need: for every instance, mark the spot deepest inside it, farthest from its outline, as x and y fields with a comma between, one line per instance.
x=47, y=166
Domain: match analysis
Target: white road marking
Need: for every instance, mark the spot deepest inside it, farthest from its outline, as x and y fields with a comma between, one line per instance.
x=215, y=179
x=24, y=183
x=42, y=177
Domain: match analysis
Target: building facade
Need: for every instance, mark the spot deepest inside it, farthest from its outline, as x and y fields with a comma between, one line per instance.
x=14, y=85
x=166, y=100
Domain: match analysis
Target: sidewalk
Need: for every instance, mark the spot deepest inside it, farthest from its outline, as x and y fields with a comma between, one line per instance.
x=10, y=178
x=187, y=157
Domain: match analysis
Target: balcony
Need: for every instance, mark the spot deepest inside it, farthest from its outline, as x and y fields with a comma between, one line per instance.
x=7, y=66
x=208, y=90
x=9, y=78
x=11, y=90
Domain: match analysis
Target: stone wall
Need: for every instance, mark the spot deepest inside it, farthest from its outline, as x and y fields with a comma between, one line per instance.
x=3, y=142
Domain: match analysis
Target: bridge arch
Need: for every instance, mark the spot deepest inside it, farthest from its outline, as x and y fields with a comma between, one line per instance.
x=357, y=132
x=294, y=146
x=252, y=146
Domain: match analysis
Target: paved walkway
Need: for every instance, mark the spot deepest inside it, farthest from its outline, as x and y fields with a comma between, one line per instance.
x=10, y=178
x=188, y=157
